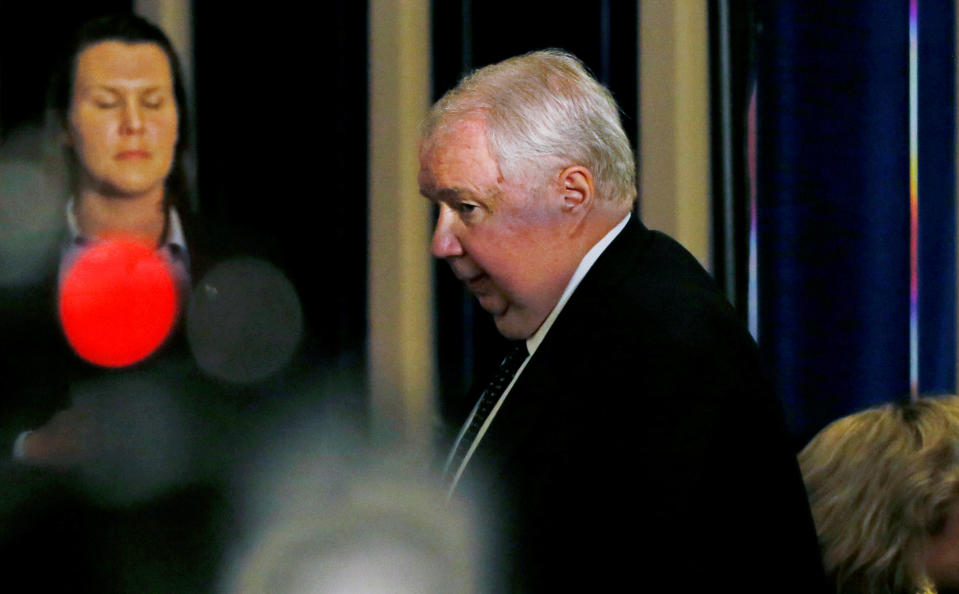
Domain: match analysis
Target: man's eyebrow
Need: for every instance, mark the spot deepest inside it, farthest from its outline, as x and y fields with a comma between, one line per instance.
x=454, y=193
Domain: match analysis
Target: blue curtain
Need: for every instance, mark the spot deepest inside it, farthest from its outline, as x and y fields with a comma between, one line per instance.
x=937, y=197
x=832, y=205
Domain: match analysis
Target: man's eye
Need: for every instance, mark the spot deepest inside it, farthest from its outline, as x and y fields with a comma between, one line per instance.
x=465, y=208
x=106, y=104
x=153, y=103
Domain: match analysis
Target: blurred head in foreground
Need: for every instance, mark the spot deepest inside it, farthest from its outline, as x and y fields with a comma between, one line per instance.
x=883, y=485
x=323, y=518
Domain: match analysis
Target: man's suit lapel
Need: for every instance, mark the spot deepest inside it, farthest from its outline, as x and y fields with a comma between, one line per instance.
x=533, y=399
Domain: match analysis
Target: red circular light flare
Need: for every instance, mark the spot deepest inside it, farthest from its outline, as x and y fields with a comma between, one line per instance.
x=118, y=302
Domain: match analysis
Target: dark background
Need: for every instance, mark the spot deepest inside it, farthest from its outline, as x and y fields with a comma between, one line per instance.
x=280, y=115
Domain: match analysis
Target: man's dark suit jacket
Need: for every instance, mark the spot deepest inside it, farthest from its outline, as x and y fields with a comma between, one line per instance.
x=641, y=447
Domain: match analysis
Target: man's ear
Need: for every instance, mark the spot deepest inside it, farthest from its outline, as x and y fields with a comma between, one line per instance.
x=578, y=192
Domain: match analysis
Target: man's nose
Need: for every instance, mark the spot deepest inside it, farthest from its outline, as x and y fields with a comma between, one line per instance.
x=445, y=243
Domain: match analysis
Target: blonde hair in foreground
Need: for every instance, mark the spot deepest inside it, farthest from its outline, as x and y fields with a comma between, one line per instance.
x=544, y=110
x=880, y=483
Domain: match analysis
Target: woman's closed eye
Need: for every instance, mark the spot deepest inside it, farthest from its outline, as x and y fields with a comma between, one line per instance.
x=153, y=101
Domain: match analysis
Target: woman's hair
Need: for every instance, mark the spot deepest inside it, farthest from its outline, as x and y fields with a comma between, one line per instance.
x=125, y=28
x=544, y=109
x=880, y=483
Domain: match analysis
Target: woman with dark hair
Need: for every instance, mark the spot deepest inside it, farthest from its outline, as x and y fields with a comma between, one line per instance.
x=107, y=494
x=148, y=446
x=116, y=105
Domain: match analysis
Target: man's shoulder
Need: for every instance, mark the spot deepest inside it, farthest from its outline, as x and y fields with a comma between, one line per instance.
x=649, y=287
x=662, y=324
x=644, y=266
x=665, y=265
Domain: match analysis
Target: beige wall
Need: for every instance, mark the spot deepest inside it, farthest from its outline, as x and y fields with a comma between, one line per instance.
x=674, y=121
x=175, y=17
x=401, y=349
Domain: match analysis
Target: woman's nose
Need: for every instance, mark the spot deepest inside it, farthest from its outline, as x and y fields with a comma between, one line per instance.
x=132, y=118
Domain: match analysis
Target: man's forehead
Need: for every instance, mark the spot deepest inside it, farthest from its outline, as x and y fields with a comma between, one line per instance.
x=456, y=144
x=461, y=131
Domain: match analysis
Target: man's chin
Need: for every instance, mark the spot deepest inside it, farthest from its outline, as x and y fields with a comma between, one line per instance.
x=508, y=320
x=511, y=327
x=492, y=304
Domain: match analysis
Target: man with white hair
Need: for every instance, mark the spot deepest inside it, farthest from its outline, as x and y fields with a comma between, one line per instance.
x=637, y=442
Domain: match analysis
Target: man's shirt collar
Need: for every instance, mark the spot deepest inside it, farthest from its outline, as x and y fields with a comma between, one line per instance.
x=533, y=342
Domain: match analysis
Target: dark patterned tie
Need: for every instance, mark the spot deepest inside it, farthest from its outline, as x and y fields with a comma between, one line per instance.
x=487, y=400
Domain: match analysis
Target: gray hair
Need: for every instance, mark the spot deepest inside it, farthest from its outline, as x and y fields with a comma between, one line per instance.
x=880, y=483
x=544, y=110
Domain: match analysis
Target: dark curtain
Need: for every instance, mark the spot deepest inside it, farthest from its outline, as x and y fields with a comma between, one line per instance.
x=30, y=41
x=282, y=152
x=833, y=204
x=937, y=197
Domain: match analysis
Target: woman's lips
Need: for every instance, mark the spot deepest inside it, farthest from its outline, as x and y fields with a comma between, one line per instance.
x=132, y=154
